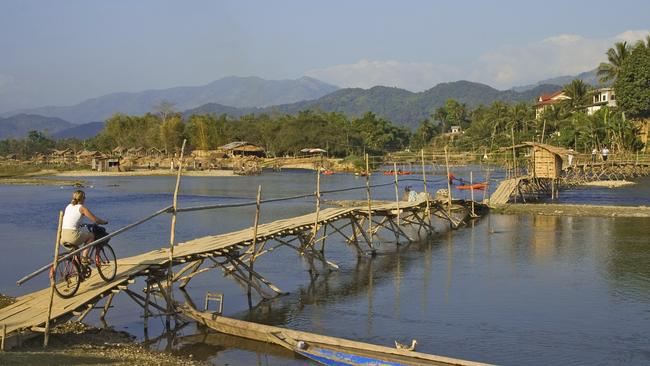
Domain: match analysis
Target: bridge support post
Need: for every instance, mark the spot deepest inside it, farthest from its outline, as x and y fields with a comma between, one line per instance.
x=46, y=337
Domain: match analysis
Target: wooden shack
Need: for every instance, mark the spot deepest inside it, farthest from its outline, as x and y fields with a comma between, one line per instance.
x=104, y=164
x=61, y=156
x=242, y=148
x=546, y=160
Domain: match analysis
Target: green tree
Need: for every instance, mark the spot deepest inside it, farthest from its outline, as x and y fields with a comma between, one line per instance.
x=172, y=133
x=633, y=84
x=609, y=71
x=578, y=93
x=423, y=135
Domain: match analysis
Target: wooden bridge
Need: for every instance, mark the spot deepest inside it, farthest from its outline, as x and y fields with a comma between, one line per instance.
x=611, y=170
x=235, y=253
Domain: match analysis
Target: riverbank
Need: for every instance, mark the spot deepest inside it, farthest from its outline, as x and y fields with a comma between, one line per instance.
x=75, y=343
x=574, y=210
x=146, y=173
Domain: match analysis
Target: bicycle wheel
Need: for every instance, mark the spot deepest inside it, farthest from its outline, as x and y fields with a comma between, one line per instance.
x=105, y=262
x=67, y=277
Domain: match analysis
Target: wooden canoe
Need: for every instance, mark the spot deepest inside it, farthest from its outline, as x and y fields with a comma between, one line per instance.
x=475, y=186
x=323, y=349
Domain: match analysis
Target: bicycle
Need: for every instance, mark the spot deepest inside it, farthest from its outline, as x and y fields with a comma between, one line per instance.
x=70, y=272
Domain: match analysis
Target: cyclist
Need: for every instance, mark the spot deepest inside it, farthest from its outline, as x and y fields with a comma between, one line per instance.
x=72, y=234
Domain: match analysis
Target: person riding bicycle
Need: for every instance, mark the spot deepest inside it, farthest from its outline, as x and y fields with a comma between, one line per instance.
x=72, y=233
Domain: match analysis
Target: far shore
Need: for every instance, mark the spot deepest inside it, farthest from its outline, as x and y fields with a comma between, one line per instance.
x=144, y=173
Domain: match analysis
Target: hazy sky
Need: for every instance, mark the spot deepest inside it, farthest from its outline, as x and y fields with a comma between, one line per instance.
x=62, y=52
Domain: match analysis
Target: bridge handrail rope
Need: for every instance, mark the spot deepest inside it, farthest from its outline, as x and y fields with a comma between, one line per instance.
x=169, y=209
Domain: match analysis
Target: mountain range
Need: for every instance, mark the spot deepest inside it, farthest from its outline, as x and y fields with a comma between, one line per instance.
x=237, y=96
x=233, y=91
x=400, y=106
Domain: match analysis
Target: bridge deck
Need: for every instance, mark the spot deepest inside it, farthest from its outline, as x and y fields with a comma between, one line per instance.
x=30, y=311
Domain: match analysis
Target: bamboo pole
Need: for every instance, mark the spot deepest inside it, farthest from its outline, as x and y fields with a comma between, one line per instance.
x=487, y=181
x=448, y=182
x=369, y=200
x=514, y=154
x=46, y=338
x=4, y=335
x=396, y=191
x=424, y=182
x=471, y=189
x=313, y=236
x=172, y=236
x=255, y=225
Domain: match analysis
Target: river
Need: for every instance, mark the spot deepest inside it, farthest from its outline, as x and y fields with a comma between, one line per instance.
x=509, y=290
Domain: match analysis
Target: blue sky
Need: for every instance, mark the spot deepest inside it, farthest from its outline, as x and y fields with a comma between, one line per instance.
x=63, y=52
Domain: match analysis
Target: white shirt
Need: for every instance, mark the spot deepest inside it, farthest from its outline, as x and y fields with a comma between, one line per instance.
x=72, y=217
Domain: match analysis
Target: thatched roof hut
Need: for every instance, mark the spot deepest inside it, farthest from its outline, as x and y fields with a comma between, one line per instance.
x=242, y=148
x=313, y=151
x=546, y=159
x=119, y=150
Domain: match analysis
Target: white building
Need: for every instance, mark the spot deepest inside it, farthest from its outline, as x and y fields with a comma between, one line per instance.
x=601, y=97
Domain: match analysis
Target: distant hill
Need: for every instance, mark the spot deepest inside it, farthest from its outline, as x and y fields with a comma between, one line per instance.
x=82, y=132
x=589, y=77
x=241, y=92
x=219, y=109
x=19, y=125
x=400, y=106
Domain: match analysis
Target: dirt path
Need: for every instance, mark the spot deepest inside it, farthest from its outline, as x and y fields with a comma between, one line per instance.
x=574, y=210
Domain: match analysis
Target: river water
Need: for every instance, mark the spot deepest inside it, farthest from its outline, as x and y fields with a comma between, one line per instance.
x=510, y=290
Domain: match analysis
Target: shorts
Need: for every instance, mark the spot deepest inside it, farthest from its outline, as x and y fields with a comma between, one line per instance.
x=74, y=238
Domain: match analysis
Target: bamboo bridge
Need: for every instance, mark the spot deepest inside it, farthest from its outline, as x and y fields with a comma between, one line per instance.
x=234, y=253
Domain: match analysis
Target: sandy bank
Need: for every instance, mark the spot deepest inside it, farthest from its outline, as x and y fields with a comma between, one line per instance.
x=609, y=183
x=38, y=181
x=146, y=173
x=574, y=210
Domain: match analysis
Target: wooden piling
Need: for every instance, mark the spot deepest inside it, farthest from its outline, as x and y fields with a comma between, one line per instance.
x=255, y=225
x=172, y=236
x=396, y=191
x=46, y=338
x=514, y=153
x=448, y=183
x=315, y=231
x=471, y=189
x=369, y=201
x=424, y=183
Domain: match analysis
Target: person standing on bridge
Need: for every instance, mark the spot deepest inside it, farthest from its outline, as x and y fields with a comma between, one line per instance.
x=569, y=157
x=594, y=152
x=72, y=233
x=605, y=153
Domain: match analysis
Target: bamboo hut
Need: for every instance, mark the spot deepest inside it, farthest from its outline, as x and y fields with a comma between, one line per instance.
x=136, y=152
x=61, y=156
x=242, y=148
x=119, y=151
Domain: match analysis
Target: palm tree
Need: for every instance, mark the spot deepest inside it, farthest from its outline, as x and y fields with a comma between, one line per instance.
x=577, y=91
x=608, y=71
x=643, y=44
